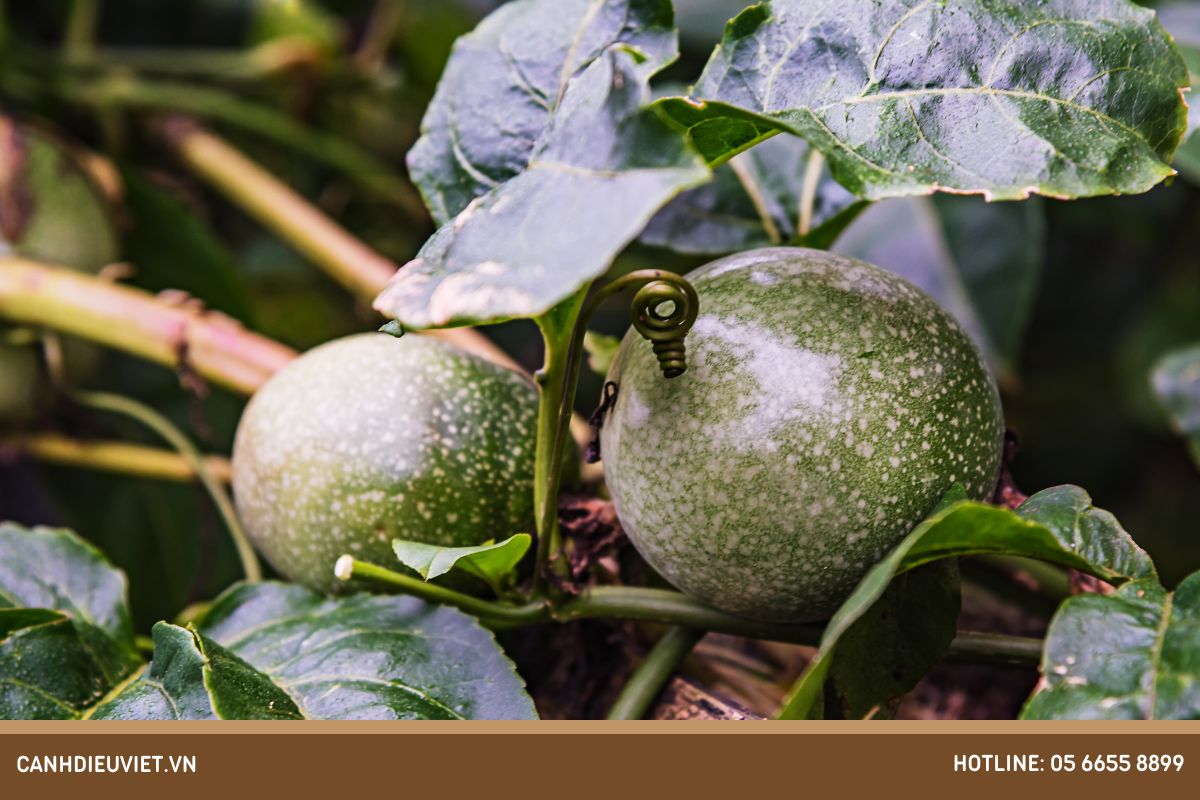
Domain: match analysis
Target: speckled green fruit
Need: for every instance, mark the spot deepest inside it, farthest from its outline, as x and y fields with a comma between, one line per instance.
x=827, y=407
x=59, y=215
x=371, y=438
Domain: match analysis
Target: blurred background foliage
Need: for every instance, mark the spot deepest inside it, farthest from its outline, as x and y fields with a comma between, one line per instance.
x=1074, y=301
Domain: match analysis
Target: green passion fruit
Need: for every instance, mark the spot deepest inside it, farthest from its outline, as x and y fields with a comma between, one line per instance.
x=372, y=438
x=828, y=405
x=54, y=212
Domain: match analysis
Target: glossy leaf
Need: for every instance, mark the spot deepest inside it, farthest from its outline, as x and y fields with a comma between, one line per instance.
x=1059, y=525
x=1134, y=654
x=980, y=261
x=904, y=635
x=506, y=79
x=65, y=637
x=55, y=569
x=192, y=677
x=604, y=166
x=489, y=562
x=909, y=97
x=754, y=201
x=272, y=651
x=1177, y=383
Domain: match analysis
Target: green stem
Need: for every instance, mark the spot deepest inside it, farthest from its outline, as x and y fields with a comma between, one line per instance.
x=80, y=36
x=557, y=385
x=172, y=435
x=563, y=329
x=652, y=675
x=970, y=647
x=350, y=568
x=669, y=608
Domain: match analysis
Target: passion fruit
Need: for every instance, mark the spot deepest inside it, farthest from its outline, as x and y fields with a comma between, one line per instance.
x=371, y=438
x=53, y=211
x=827, y=407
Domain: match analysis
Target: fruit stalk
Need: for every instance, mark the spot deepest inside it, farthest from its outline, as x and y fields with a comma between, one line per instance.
x=668, y=608
x=563, y=329
x=118, y=457
x=652, y=675
x=215, y=346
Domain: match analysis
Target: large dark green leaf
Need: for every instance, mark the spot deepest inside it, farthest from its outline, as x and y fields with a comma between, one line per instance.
x=1134, y=654
x=505, y=80
x=1182, y=21
x=65, y=637
x=980, y=261
x=192, y=677
x=278, y=650
x=55, y=569
x=755, y=200
x=904, y=635
x=1059, y=525
x=1177, y=383
x=603, y=167
x=1066, y=98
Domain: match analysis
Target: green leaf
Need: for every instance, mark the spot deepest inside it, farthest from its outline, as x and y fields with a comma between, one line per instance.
x=754, y=201
x=506, y=79
x=602, y=169
x=1134, y=654
x=65, y=637
x=898, y=640
x=489, y=562
x=358, y=657
x=1065, y=98
x=980, y=261
x=1059, y=525
x=601, y=350
x=192, y=677
x=1176, y=381
x=55, y=569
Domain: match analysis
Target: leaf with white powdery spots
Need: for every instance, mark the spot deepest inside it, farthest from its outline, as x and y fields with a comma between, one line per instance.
x=505, y=79
x=1134, y=654
x=909, y=97
x=604, y=166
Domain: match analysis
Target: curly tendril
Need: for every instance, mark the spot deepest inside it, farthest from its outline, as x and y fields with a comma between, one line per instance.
x=666, y=329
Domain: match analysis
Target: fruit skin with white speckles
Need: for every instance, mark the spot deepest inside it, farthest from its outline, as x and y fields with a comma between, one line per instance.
x=827, y=407
x=371, y=438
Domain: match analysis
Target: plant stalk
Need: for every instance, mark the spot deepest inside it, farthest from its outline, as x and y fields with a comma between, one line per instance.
x=117, y=457
x=557, y=386
x=652, y=674
x=79, y=39
x=156, y=422
x=668, y=607
x=349, y=568
x=215, y=346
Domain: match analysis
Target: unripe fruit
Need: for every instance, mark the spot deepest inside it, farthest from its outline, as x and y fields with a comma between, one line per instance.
x=53, y=212
x=371, y=438
x=827, y=407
